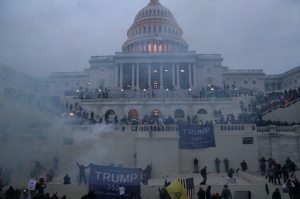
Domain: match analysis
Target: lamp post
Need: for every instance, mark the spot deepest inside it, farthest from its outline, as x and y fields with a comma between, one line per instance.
x=167, y=92
x=212, y=92
x=122, y=93
x=144, y=93
x=190, y=92
x=235, y=93
x=99, y=93
x=77, y=91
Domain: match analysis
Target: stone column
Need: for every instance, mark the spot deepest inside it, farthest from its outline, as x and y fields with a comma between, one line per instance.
x=177, y=72
x=195, y=83
x=116, y=75
x=149, y=75
x=132, y=76
x=121, y=76
x=152, y=46
x=137, y=76
x=173, y=74
x=190, y=75
x=161, y=77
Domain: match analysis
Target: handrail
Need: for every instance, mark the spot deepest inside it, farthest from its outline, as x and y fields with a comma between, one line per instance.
x=276, y=107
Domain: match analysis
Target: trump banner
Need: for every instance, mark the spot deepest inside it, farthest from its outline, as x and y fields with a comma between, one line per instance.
x=196, y=136
x=106, y=180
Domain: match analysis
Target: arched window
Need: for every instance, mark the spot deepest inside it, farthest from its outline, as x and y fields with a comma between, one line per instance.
x=155, y=113
x=202, y=111
x=133, y=114
x=179, y=113
x=109, y=115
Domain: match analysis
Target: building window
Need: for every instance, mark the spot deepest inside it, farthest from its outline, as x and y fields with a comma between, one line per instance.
x=102, y=72
x=245, y=82
x=67, y=141
x=254, y=82
x=159, y=28
x=179, y=113
x=154, y=28
x=202, y=111
x=140, y=31
x=165, y=29
x=247, y=140
x=149, y=29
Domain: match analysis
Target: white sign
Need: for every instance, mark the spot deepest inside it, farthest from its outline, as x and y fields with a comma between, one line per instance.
x=31, y=184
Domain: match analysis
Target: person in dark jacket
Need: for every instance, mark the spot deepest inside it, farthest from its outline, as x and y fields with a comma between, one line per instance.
x=276, y=194
x=82, y=172
x=196, y=165
x=67, y=179
x=207, y=192
x=226, y=164
x=40, y=189
x=276, y=176
x=285, y=173
x=244, y=166
x=217, y=163
x=230, y=173
x=10, y=193
x=201, y=193
x=263, y=166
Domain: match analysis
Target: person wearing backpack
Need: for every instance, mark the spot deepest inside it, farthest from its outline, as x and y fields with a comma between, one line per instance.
x=204, y=175
x=226, y=193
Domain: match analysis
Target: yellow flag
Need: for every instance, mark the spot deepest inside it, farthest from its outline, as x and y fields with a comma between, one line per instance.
x=177, y=191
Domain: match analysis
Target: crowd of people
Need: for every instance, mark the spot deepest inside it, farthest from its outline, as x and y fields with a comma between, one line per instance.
x=275, y=171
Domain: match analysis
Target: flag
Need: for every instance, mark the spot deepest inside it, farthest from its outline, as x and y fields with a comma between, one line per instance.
x=188, y=184
x=177, y=191
x=158, y=37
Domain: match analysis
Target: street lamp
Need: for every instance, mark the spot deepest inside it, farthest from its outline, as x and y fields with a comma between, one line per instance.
x=167, y=92
x=77, y=91
x=144, y=93
x=99, y=93
x=212, y=92
x=122, y=93
x=190, y=92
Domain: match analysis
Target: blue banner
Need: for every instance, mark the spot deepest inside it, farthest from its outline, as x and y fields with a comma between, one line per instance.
x=196, y=136
x=105, y=180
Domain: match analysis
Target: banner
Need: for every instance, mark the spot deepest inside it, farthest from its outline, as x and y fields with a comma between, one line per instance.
x=105, y=180
x=31, y=184
x=196, y=136
x=177, y=191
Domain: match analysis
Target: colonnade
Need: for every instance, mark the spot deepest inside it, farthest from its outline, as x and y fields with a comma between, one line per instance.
x=135, y=74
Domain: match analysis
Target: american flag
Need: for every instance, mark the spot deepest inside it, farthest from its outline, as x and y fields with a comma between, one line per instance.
x=188, y=184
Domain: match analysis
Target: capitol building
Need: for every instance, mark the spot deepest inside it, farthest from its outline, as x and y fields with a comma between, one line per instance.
x=155, y=75
x=156, y=56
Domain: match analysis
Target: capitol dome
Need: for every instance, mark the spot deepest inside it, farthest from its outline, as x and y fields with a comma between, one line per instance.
x=155, y=30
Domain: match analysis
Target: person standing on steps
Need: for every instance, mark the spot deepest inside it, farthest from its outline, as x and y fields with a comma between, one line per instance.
x=82, y=172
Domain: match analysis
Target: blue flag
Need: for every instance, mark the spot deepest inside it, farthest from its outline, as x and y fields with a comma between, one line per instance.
x=196, y=136
x=105, y=180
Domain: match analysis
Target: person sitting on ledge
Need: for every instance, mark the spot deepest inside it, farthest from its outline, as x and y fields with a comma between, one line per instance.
x=67, y=179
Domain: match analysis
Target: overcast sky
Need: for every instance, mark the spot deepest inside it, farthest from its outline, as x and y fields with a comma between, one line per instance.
x=43, y=36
